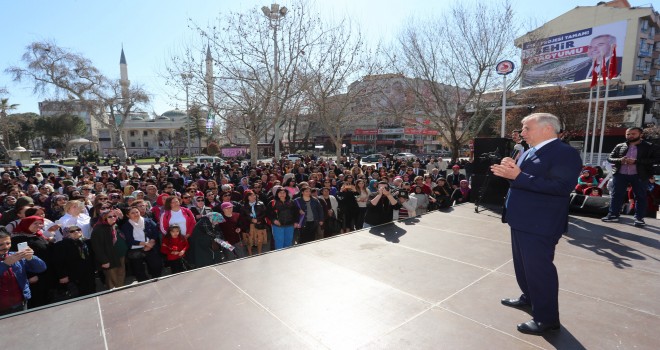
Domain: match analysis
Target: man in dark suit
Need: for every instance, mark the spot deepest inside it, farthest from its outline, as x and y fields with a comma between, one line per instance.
x=417, y=171
x=537, y=211
x=600, y=48
x=632, y=163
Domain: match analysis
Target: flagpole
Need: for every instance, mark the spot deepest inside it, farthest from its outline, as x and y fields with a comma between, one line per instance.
x=593, y=132
x=602, y=126
x=586, y=131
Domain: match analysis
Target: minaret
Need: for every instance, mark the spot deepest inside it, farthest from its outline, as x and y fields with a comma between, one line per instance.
x=123, y=71
x=208, y=79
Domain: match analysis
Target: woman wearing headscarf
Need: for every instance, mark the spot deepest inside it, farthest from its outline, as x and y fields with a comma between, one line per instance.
x=203, y=249
x=73, y=263
x=56, y=208
x=462, y=193
x=143, y=238
x=29, y=230
x=199, y=208
x=109, y=245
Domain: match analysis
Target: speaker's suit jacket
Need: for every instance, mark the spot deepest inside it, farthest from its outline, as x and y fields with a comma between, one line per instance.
x=539, y=197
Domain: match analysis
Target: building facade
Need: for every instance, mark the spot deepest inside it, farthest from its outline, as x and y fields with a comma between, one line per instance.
x=568, y=49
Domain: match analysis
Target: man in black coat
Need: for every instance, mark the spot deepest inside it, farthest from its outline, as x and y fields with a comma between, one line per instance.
x=632, y=163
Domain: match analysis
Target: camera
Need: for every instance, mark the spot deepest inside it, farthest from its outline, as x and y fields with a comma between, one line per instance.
x=491, y=157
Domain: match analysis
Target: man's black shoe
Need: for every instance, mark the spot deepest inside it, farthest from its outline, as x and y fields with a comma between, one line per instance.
x=538, y=328
x=517, y=303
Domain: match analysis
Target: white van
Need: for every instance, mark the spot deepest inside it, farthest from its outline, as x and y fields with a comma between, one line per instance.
x=209, y=159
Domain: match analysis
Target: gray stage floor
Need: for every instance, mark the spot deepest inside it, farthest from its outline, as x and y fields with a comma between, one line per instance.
x=430, y=283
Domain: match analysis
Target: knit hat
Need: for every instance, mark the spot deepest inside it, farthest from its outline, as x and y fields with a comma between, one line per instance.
x=226, y=205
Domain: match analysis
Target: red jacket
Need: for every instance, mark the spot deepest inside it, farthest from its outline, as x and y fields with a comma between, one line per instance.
x=173, y=245
x=190, y=220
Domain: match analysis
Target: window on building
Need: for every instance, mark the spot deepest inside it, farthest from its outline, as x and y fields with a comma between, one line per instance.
x=132, y=133
x=146, y=144
x=645, y=25
x=638, y=77
x=144, y=133
x=132, y=144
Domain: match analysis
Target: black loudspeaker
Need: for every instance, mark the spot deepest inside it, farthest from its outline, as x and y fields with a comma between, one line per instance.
x=495, y=190
x=590, y=206
x=487, y=150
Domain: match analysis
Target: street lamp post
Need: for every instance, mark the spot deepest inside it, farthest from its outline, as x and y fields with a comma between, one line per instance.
x=186, y=81
x=274, y=14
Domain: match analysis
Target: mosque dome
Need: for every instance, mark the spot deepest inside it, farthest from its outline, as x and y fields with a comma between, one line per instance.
x=174, y=114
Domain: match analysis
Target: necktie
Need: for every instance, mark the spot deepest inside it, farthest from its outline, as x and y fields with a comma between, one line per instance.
x=526, y=155
x=531, y=153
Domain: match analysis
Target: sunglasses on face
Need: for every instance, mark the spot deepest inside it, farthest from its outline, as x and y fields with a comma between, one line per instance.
x=76, y=230
x=200, y=199
x=111, y=216
x=186, y=197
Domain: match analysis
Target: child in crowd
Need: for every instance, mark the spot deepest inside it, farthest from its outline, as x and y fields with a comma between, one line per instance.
x=174, y=246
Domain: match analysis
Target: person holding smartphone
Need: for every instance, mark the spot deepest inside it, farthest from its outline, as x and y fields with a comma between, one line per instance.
x=14, y=268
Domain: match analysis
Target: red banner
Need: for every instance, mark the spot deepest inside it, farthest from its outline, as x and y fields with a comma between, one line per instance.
x=365, y=132
x=413, y=131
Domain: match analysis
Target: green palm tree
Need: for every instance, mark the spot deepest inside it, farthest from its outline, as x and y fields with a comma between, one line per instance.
x=4, y=107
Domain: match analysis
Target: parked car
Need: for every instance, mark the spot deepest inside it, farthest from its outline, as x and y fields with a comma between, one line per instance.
x=404, y=155
x=209, y=159
x=50, y=168
x=372, y=158
x=293, y=157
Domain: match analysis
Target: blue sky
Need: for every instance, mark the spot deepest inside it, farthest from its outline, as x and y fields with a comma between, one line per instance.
x=151, y=29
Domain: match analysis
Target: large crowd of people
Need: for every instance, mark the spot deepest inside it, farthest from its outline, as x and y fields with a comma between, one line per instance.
x=65, y=235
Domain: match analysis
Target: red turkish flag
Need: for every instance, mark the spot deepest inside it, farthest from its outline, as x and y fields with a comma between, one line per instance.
x=613, y=70
x=594, y=75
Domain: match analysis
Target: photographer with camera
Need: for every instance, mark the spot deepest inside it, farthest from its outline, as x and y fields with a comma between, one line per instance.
x=348, y=205
x=381, y=206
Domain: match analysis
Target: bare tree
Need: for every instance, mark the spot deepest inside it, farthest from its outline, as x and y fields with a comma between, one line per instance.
x=70, y=74
x=451, y=60
x=242, y=89
x=340, y=57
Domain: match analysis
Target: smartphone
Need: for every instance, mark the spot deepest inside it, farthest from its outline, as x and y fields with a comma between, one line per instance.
x=22, y=246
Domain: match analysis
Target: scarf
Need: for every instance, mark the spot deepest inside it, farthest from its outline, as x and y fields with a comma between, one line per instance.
x=23, y=227
x=83, y=250
x=139, y=225
x=216, y=218
x=254, y=213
